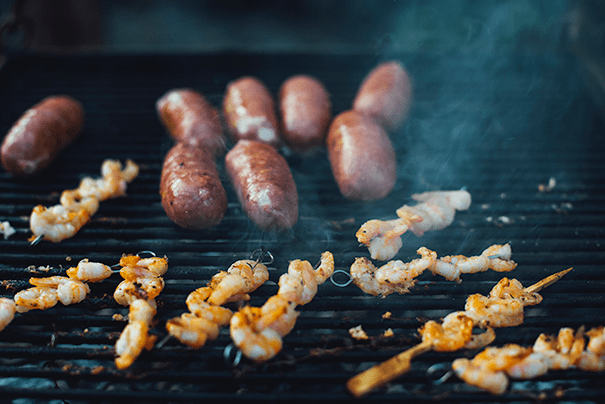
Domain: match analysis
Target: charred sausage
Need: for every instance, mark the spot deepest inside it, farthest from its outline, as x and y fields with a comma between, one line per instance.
x=386, y=94
x=264, y=184
x=249, y=110
x=190, y=118
x=40, y=134
x=362, y=157
x=305, y=112
x=191, y=190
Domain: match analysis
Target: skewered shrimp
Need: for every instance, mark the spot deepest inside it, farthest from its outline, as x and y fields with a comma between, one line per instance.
x=258, y=332
x=89, y=271
x=142, y=279
x=77, y=206
x=141, y=285
x=206, y=313
x=490, y=369
x=7, y=312
x=134, y=338
x=435, y=211
x=593, y=357
x=456, y=332
x=36, y=298
x=397, y=276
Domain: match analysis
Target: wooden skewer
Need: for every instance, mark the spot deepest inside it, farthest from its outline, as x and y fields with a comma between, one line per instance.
x=538, y=286
x=380, y=374
x=399, y=364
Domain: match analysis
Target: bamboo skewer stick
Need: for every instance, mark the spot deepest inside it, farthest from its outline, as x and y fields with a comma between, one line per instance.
x=390, y=369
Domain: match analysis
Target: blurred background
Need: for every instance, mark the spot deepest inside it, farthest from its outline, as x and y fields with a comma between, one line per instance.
x=64, y=26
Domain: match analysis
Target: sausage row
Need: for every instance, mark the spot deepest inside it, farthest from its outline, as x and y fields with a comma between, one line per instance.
x=361, y=154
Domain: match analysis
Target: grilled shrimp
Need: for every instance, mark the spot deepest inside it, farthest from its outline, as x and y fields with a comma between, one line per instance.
x=36, y=298
x=258, y=332
x=69, y=291
x=77, y=206
x=206, y=314
x=89, y=271
x=7, y=312
x=453, y=334
x=192, y=330
x=397, y=276
x=134, y=338
x=435, y=211
x=256, y=344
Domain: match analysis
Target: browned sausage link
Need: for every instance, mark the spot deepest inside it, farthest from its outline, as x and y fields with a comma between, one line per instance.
x=362, y=157
x=264, y=184
x=191, y=190
x=249, y=110
x=190, y=118
x=386, y=94
x=40, y=134
x=305, y=111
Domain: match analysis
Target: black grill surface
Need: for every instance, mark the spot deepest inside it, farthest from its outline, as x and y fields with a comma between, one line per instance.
x=499, y=126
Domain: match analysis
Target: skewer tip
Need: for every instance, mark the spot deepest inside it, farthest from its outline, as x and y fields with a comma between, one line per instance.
x=549, y=280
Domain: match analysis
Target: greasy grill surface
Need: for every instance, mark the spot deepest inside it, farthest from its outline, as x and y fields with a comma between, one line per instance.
x=499, y=127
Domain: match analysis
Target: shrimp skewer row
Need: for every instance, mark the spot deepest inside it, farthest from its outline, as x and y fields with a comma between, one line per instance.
x=142, y=283
x=397, y=276
x=258, y=331
x=70, y=289
x=491, y=369
x=206, y=315
x=77, y=206
x=435, y=211
x=47, y=292
x=456, y=330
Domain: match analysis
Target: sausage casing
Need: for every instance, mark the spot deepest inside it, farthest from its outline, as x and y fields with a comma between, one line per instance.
x=305, y=111
x=386, y=94
x=191, y=190
x=264, y=184
x=40, y=134
x=249, y=110
x=191, y=119
x=362, y=157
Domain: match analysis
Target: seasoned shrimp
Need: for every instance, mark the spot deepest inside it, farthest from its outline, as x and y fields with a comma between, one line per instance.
x=134, y=338
x=593, y=357
x=435, y=211
x=257, y=332
x=7, y=312
x=397, y=276
x=192, y=330
x=36, y=298
x=475, y=375
x=363, y=274
x=72, y=291
x=257, y=345
x=89, y=271
x=398, y=272
x=453, y=334
x=77, y=206
x=204, y=304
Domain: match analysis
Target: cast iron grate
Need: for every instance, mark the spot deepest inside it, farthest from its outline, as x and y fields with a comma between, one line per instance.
x=498, y=129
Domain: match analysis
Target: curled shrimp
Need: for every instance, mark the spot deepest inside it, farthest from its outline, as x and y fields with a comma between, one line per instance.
x=7, y=312
x=258, y=345
x=89, y=271
x=36, y=298
x=135, y=336
x=77, y=206
x=434, y=211
x=192, y=330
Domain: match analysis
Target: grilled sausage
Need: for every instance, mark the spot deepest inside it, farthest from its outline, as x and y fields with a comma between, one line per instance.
x=40, y=134
x=305, y=111
x=249, y=110
x=362, y=157
x=191, y=119
x=264, y=184
x=386, y=94
x=191, y=190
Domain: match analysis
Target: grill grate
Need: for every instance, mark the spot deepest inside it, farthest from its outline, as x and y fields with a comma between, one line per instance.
x=500, y=128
